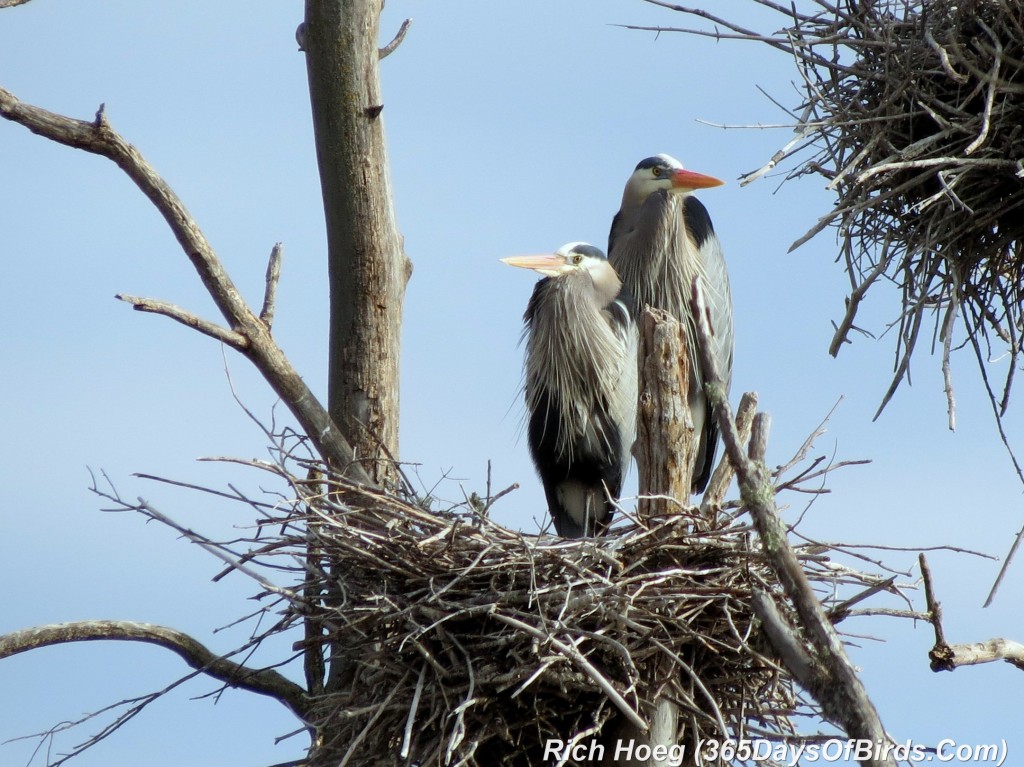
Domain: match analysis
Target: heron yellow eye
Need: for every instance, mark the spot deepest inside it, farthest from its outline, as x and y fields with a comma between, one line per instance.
x=576, y=259
x=656, y=171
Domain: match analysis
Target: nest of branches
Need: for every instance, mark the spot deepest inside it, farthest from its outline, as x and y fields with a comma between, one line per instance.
x=477, y=645
x=922, y=137
x=436, y=637
x=466, y=643
x=914, y=112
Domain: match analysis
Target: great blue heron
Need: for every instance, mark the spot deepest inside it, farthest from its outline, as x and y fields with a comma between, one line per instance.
x=580, y=384
x=661, y=239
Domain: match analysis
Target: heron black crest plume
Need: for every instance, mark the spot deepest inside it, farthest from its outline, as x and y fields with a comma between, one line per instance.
x=661, y=239
x=581, y=385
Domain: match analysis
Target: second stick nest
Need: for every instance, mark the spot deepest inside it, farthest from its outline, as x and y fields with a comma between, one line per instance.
x=913, y=111
x=920, y=115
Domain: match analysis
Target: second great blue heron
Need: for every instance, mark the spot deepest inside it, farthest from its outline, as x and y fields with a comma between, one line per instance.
x=580, y=384
x=661, y=239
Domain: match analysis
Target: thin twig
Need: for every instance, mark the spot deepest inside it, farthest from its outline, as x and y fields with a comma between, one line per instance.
x=947, y=345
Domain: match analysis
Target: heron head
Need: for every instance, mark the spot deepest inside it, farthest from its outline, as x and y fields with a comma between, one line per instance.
x=572, y=257
x=663, y=172
x=584, y=267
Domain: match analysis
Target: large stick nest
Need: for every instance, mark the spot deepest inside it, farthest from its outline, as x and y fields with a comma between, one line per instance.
x=477, y=644
x=469, y=644
x=436, y=637
x=914, y=112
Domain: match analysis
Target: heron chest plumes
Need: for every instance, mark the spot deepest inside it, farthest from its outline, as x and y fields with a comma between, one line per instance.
x=659, y=251
x=579, y=355
x=656, y=255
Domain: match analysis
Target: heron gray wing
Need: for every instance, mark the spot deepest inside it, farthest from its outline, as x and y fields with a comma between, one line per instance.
x=715, y=284
x=618, y=222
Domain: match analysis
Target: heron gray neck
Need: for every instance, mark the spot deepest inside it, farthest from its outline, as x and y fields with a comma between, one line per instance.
x=606, y=285
x=650, y=239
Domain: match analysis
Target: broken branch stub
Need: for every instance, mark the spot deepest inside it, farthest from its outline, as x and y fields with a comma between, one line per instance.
x=664, y=445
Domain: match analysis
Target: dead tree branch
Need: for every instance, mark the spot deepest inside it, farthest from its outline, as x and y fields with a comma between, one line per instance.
x=98, y=137
x=235, y=340
x=950, y=657
x=664, y=444
x=947, y=657
x=714, y=494
x=831, y=678
x=391, y=47
x=273, y=278
x=262, y=681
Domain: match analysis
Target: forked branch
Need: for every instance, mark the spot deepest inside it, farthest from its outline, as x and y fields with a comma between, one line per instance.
x=947, y=657
x=246, y=331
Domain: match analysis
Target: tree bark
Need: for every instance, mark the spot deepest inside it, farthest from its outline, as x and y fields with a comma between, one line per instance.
x=664, y=443
x=664, y=458
x=367, y=266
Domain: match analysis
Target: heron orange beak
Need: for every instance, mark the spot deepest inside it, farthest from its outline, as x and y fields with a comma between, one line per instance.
x=549, y=264
x=688, y=179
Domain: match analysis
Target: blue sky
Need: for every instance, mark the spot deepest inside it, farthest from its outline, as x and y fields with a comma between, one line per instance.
x=512, y=128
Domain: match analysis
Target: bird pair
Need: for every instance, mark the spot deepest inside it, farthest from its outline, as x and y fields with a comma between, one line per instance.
x=581, y=340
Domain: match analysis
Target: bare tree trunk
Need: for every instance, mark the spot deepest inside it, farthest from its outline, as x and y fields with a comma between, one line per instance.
x=664, y=456
x=367, y=267
x=664, y=444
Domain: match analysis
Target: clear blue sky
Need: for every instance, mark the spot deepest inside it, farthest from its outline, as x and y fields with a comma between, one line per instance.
x=512, y=128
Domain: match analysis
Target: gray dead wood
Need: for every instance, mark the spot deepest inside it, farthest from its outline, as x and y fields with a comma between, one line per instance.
x=950, y=657
x=664, y=443
x=829, y=676
x=723, y=474
x=263, y=681
x=947, y=657
x=367, y=266
x=245, y=331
